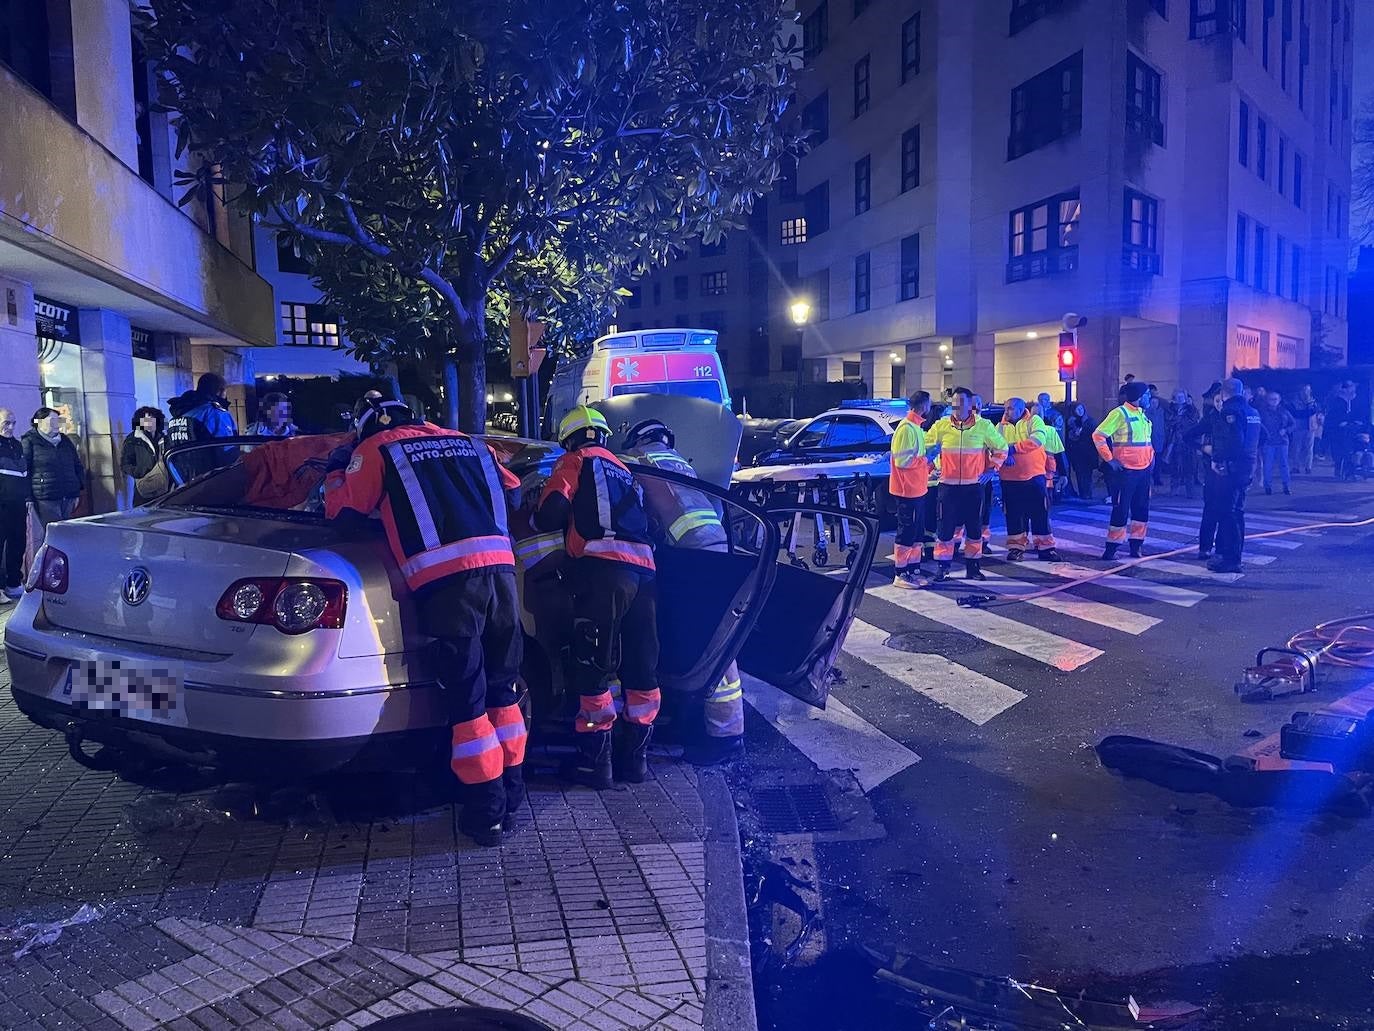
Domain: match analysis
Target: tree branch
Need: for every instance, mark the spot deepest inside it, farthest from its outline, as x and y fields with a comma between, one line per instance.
x=312, y=232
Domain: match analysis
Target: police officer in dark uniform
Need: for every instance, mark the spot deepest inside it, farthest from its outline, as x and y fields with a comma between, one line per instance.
x=1199, y=437
x=1235, y=442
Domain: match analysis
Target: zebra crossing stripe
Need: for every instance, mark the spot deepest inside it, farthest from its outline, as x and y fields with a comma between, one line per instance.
x=1165, y=565
x=1176, y=529
x=946, y=683
x=833, y=738
x=1032, y=642
x=1078, y=608
x=1166, y=593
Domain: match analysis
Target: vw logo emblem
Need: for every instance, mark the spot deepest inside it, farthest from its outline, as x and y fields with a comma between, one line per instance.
x=136, y=586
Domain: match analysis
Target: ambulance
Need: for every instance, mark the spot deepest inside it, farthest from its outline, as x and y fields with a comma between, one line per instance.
x=680, y=362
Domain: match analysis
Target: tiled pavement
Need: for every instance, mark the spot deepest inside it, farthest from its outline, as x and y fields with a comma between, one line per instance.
x=226, y=909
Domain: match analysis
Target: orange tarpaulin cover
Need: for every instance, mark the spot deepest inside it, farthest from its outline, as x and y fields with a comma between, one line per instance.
x=278, y=476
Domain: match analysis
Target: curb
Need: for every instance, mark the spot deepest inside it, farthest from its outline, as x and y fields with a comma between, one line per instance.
x=729, y=975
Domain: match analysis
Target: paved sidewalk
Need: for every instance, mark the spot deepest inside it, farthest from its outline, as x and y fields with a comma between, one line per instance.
x=606, y=911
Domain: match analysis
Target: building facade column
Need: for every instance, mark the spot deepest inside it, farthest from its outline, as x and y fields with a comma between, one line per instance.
x=19, y=379
x=174, y=375
x=107, y=373
x=975, y=356
x=1099, y=363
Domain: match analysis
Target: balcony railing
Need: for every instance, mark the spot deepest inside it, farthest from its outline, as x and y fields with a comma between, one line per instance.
x=1141, y=259
x=1042, y=263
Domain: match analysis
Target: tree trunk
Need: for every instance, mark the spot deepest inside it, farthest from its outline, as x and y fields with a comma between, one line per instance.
x=469, y=375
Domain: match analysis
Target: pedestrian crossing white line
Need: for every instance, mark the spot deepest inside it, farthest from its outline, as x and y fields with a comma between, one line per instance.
x=1176, y=529
x=835, y=738
x=961, y=690
x=1032, y=642
x=1166, y=593
x=1159, y=565
x=1158, y=544
x=1111, y=616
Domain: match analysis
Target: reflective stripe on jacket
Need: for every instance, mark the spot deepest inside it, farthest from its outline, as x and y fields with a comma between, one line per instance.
x=689, y=517
x=1128, y=430
x=910, y=476
x=441, y=495
x=607, y=518
x=967, y=449
x=1027, y=439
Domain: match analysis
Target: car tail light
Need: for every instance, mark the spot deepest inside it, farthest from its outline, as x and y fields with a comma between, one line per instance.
x=291, y=604
x=49, y=571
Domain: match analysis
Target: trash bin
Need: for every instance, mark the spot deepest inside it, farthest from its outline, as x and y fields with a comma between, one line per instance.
x=461, y=1018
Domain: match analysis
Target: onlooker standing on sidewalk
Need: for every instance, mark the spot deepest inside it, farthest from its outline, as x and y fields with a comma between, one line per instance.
x=1179, y=455
x=139, y=454
x=1199, y=441
x=56, y=475
x=1339, y=428
x=1081, y=450
x=1305, y=410
x=1159, y=429
x=1234, y=443
x=274, y=418
x=14, y=504
x=1277, y=424
x=199, y=415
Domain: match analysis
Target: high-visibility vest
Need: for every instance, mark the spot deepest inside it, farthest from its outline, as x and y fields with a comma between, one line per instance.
x=910, y=477
x=689, y=518
x=967, y=449
x=1026, y=438
x=1127, y=429
x=607, y=518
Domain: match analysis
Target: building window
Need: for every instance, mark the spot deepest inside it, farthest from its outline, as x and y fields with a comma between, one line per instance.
x=1208, y=17
x=308, y=325
x=910, y=282
x=1283, y=167
x=863, y=184
x=911, y=158
x=816, y=118
x=1262, y=148
x=1331, y=297
x=815, y=32
x=1043, y=237
x=861, y=282
x=1297, y=179
x=1028, y=12
x=852, y=370
x=289, y=257
x=1266, y=31
x=1242, y=236
x=711, y=250
x=1280, y=264
x=1144, y=100
x=861, y=86
x=1243, y=134
x=1141, y=233
x=817, y=204
x=143, y=110
x=1161, y=8
x=24, y=44
x=1261, y=280
x=713, y=284
x=911, y=48
x=793, y=231
x=1330, y=208
x=1295, y=274
x=1047, y=107
x=1286, y=27
x=679, y=288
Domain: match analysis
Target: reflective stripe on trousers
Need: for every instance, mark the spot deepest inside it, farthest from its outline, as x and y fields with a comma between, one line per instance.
x=725, y=706
x=596, y=713
x=642, y=706
x=476, y=756
x=509, y=722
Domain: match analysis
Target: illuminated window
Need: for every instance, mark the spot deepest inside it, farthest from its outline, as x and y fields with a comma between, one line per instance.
x=713, y=284
x=793, y=230
x=308, y=325
x=1043, y=237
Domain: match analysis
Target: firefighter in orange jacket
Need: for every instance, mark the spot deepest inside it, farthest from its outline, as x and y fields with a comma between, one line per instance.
x=1024, y=493
x=1123, y=442
x=443, y=505
x=970, y=450
x=594, y=499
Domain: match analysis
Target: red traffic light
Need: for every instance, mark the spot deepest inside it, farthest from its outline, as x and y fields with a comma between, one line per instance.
x=1068, y=357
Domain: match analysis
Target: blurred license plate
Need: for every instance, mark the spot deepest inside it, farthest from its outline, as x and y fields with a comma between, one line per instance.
x=114, y=685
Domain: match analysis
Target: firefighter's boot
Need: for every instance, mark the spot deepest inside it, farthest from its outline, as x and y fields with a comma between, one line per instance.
x=484, y=813
x=591, y=767
x=629, y=757
x=514, y=780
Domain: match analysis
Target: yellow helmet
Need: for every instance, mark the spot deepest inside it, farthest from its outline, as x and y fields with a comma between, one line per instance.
x=583, y=425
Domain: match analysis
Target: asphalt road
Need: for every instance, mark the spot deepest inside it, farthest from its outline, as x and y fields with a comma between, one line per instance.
x=1007, y=849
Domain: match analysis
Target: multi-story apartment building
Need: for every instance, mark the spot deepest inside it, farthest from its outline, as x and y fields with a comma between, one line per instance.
x=1177, y=171
x=114, y=296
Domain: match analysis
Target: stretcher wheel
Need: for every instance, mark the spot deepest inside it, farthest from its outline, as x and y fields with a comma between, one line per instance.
x=820, y=556
x=849, y=557
x=800, y=563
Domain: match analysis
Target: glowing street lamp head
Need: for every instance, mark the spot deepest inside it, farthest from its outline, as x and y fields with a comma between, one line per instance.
x=800, y=311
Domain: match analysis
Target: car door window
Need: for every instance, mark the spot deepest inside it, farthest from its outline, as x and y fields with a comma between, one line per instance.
x=849, y=432
x=814, y=435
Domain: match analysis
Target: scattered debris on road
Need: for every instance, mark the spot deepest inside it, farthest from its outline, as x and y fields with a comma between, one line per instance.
x=36, y=935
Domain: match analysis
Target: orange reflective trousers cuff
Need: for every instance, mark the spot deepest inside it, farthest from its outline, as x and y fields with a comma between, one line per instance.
x=596, y=713
x=509, y=723
x=642, y=706
x=476, y=757
x=1137, y=530
x=1116, y=534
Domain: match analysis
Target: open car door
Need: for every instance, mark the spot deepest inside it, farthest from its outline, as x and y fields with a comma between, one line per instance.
x=713, y=586
x=823, y=562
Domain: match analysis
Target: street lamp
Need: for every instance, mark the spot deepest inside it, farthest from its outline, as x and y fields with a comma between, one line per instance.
x=800, y=311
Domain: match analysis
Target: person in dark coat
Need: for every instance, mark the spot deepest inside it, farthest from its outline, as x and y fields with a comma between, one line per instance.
x=1078, y=439
x=14, y=505
x=1180, y=457
x=56, y=475
x=142, y=448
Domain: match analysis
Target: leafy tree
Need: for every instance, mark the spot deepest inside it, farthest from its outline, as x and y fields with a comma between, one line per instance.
x=445, y=159
x=1362, y=186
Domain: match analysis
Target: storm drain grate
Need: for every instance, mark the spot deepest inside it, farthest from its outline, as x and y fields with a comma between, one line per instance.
x=794, y=810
